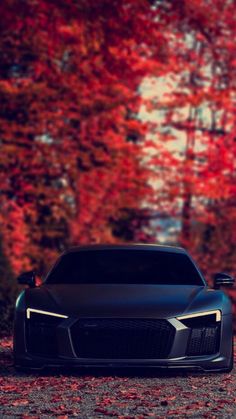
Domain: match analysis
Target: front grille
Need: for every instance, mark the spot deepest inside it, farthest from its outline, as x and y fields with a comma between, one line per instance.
x=122, y=338
x=41, y=336
x=204, y=340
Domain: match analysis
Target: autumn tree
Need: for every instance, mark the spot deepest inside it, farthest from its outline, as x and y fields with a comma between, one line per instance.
x=71, y=140
x=193, y=143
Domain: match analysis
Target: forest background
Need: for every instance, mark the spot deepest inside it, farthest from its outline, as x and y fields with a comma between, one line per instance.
x=117, y=124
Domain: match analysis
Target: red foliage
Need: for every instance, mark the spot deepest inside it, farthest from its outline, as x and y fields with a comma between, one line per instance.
x=71, y=139
x=76, y=159
x=194, y=142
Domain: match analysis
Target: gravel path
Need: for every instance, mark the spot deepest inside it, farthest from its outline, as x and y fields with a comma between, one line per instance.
x=186, y=395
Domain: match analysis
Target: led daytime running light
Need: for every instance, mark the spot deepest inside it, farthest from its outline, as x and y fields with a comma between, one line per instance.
x=203, y=313
x=48, y=313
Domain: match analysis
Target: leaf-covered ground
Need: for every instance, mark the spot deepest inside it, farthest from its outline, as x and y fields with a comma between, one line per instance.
x=91, y=395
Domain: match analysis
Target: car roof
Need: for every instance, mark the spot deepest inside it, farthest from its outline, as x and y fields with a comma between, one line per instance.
x=127, y=246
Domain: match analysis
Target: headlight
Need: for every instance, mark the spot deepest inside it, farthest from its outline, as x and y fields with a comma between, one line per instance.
x=216, y=313
x=48, y=313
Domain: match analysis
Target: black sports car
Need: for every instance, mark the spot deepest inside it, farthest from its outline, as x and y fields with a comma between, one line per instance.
x=124, y=306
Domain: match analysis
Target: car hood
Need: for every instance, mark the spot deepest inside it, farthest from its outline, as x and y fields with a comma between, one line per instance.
x=131, y=300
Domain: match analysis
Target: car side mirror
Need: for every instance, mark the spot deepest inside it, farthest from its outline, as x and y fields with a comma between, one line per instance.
x=222, y=279
x=27, y=278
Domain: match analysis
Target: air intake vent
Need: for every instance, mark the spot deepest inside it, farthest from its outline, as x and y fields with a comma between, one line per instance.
x=204, y=340
x=41, y=334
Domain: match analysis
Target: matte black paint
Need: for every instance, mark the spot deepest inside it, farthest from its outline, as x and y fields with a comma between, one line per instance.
x=142, y=301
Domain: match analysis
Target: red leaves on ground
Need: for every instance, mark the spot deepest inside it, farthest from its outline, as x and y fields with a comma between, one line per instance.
x=73, y=395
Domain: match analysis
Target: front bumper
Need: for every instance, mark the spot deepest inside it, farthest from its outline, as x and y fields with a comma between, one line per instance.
x=177, y=358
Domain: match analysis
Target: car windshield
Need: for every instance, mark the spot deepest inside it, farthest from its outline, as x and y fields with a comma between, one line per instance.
x=124, y=266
